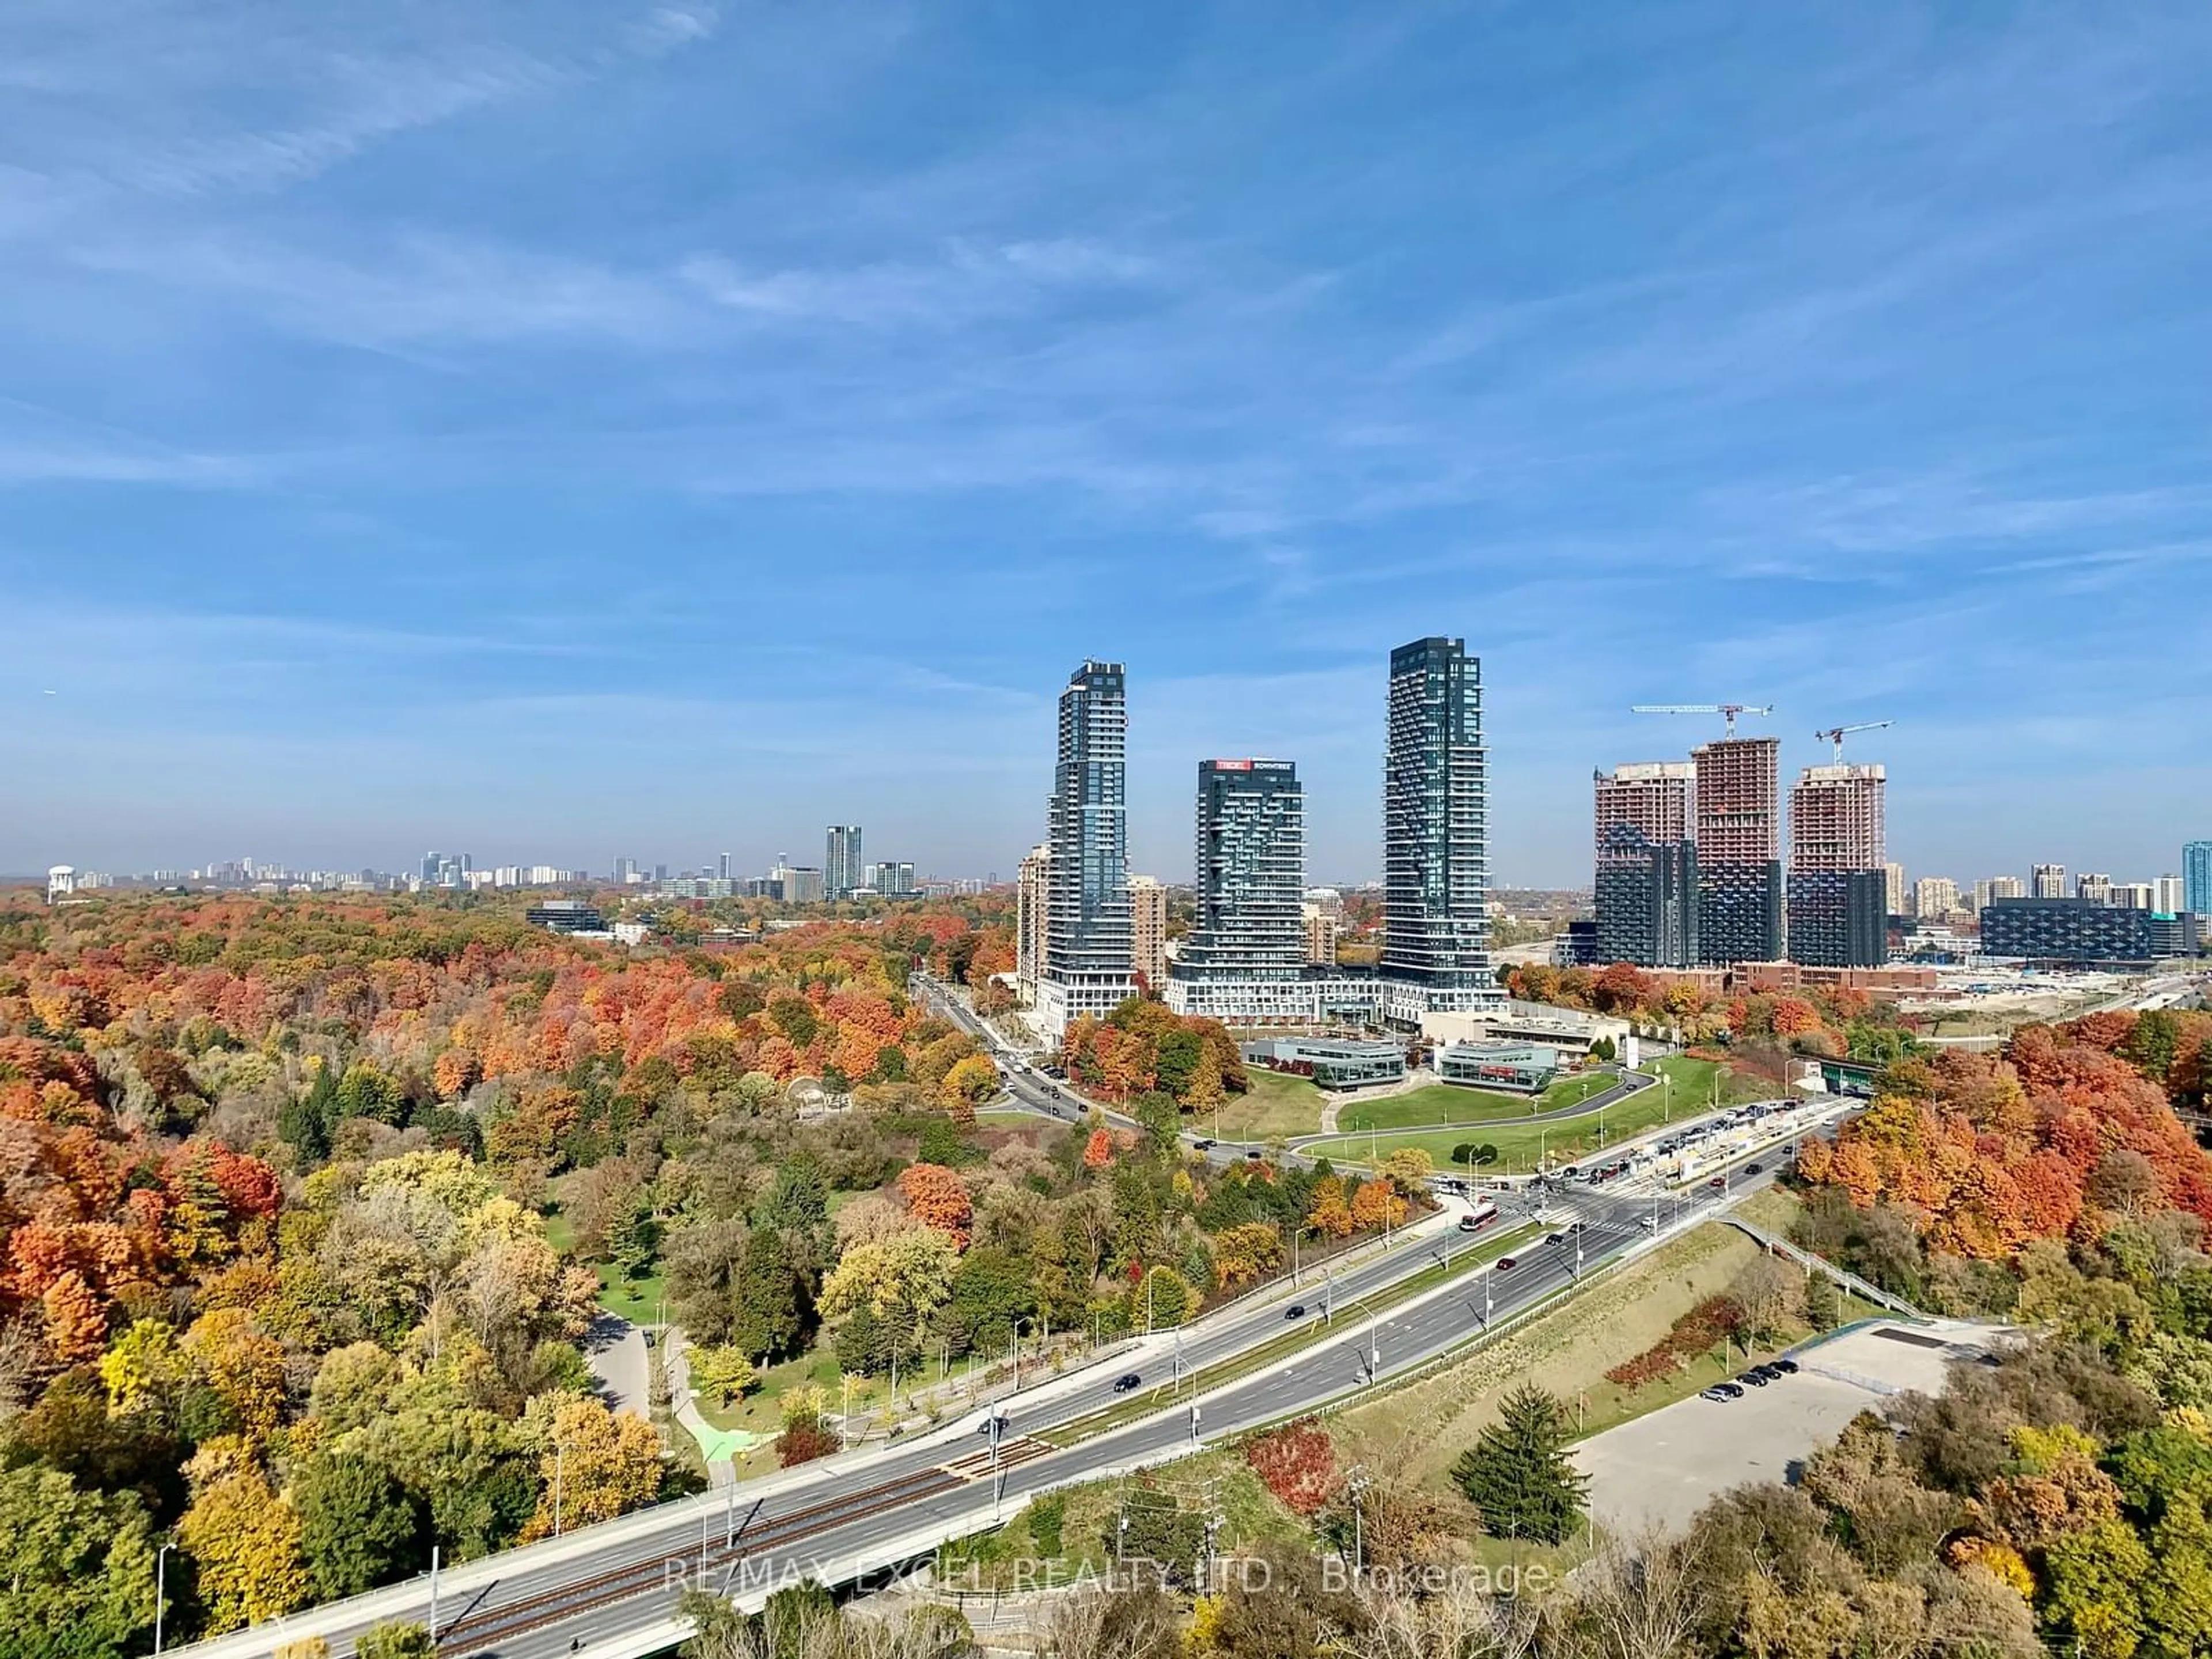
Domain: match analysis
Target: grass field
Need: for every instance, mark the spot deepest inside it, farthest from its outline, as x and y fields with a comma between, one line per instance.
x=1520, y=1145
x=1448, y=1103
x=1276, y=1107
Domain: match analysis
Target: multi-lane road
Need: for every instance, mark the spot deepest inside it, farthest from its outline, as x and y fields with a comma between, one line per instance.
x=611, y=1590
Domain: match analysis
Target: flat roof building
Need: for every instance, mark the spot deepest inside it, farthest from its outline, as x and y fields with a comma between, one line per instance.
x=1331, y=1062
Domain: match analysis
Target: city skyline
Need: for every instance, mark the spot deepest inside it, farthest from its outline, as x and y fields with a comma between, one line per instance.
x=384, y=453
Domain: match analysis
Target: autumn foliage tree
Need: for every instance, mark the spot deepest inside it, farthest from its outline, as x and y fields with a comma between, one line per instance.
x=938, y=1199
x=1296, y=1463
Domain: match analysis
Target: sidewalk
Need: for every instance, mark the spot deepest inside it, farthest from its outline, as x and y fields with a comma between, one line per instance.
x=719, y=1447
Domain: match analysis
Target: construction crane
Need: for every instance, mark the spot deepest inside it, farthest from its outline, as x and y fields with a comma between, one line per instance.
x=1730, y=710
x=1836, y=734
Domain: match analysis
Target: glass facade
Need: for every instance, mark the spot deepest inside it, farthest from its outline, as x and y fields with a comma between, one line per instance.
x=1250, y=923
x=1435, y=869
x=1647, y=900
x=2083, y=930
x=2196, y=878
x=841, y=862
x=1087, y=967
x=1839, y=918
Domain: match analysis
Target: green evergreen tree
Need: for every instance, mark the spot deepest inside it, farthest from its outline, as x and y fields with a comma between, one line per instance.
x=1518, y=1475
x=769, y=1317
x=1823, y=1307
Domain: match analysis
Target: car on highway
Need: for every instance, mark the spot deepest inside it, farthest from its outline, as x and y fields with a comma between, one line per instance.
x=1753, y=1168
x=1126, y=1382
x=1256, y=1155
x=1296, y=1310
x=1724, y=1391
x=1555, y=1238
x=1719, y=1183
x=1201, y=1146
x=1506, y=1264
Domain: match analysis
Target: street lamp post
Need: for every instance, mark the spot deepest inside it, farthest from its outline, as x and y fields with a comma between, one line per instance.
x=160, y=1594
x=560, y=1459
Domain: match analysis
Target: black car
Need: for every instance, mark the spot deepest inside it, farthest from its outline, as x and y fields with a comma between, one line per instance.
x=1752, y=1169
x=1201, y=1146
x=1256, y=1154
x=1756, y=1377
x=1785, y=1367
x=1126, y=1382
x=1296, y=1310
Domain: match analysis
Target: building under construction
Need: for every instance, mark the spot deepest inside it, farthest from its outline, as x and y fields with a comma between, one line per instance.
x=1647, y=864
x=1838, y=887
x=1738, y=831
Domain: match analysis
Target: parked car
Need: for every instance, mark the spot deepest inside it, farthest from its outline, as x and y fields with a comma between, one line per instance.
x=1724, y=1391
x=1786, y=1367
x=1126, y=1382
x=1756, y=1377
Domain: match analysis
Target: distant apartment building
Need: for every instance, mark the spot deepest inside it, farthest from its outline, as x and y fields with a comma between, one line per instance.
x=722, y=867
x=2196, y=878
x=2047, y=881
x=1895, y=893
x=1319, y=929
x=1646, y=872
x=2097, y=889
x=1088, y=966
x=2168, y=895
x=841, y=869
x=1436, y=835
x=447, y=869
x=1838, y=888
x=1997, y=887
x=1738, y=833
x=1148, y=931
x=1245, y=958
x=1934, y=897
x=1032, y=916
x=2133, y=895
x=2083, y=930
x=892, y=878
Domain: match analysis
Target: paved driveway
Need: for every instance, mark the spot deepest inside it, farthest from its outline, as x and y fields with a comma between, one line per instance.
x=615, y=1350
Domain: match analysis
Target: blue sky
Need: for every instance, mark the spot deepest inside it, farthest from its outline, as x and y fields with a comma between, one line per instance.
x=562, y=430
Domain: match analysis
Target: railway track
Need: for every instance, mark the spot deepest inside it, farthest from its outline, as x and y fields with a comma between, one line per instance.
x=483, y=1632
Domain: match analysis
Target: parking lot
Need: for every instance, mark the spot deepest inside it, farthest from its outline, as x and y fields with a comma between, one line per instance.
x=1662, y=1468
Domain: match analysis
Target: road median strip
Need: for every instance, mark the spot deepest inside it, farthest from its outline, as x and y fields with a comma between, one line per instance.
x=1307, y=1334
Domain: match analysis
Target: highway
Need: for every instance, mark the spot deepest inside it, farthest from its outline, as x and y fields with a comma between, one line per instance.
x=611, y=1590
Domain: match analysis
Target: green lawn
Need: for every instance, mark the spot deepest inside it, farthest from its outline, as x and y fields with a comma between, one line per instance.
x=637, y=1300
x=1449, y=1103
x=1519, y=1143
x=1276, y=1107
